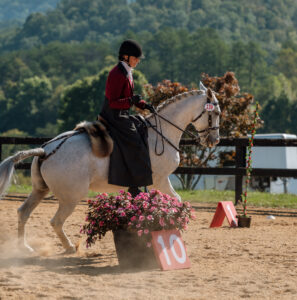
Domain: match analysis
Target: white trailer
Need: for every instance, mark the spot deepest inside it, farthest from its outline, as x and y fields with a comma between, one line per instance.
x=277, y=158
x=262, y=157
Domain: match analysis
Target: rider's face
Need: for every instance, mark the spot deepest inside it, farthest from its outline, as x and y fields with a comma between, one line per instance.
x=133, y=61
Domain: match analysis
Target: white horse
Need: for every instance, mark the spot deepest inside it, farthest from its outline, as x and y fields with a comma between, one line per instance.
x=74, y=169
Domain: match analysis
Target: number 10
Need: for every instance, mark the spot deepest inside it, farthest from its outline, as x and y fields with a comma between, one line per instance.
x=173, y=237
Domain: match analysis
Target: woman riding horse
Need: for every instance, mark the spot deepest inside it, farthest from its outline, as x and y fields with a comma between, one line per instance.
x=130, y=164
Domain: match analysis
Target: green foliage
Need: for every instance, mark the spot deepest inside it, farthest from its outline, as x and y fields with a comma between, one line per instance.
x=286, y=65
x=80, y=20
x=182, y=56
x=14, y=12
x=8, y=150
x=82, y=100
x=139, y=83
x=181, y=40
x=20, y=188
x=63, y=63
x=59, y=65
x=28, y=103
x=279, y=115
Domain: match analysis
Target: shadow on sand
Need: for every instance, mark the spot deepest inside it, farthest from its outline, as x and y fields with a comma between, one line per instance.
x=91, y=266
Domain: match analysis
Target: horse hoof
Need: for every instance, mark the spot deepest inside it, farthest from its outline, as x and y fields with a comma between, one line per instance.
x=26, y=249
x=70, y=250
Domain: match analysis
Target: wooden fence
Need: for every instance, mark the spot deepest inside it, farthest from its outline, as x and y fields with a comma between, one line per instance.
x=238, y=171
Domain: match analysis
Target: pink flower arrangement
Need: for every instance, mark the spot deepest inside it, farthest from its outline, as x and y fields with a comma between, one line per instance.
x=145, y=213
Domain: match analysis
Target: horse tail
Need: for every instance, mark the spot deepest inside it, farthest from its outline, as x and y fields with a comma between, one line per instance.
x=7, y=166
x=101, y=142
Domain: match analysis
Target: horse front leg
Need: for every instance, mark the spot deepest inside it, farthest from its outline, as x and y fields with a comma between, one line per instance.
x=165, y=186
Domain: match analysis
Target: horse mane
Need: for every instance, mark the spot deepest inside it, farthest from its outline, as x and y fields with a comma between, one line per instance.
x=176, y=98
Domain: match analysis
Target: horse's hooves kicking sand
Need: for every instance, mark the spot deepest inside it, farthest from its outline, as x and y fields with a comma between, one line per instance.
x=25, y=248
x=71, y=250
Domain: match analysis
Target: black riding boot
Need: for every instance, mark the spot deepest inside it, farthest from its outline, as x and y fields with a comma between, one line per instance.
x=134, y=191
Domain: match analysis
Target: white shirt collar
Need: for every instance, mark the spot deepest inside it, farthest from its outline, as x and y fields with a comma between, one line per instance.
x=128, y=69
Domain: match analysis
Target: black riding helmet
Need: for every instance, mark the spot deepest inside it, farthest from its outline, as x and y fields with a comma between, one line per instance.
x=130, y=48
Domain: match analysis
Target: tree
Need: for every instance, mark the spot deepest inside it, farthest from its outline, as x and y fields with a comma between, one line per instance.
x=28, y=104
x=178, y=55
x=247, y=60
x=13, y=68
x=206, y=54
x=286, y=62
x=286, y=65
x=235, y=120
x=80, y=20
x=279, y=115
x=180, y=39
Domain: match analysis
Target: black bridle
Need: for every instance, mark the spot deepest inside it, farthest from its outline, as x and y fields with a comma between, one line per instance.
x=210, y=127
x=197, y=138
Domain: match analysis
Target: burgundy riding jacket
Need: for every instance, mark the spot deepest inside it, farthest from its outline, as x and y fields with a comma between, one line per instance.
x=119, y=89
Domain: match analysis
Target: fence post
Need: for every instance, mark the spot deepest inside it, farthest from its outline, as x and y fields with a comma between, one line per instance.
x=240, y=161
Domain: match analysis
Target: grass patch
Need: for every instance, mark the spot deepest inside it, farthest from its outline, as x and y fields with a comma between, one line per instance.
x=20, y=189
x=254, y=198
x=207, y=196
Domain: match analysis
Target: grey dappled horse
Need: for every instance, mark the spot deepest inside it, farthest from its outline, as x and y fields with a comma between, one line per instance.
x=74, y=169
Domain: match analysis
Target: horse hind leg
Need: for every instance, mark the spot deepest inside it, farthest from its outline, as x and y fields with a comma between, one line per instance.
x=64, y=211
x=24, y=213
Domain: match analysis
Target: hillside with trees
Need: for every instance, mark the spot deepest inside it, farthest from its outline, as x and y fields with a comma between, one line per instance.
x=15, y=12
x=69, y=47
x=270, y=22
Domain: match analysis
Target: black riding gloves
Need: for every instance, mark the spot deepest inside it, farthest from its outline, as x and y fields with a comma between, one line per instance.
x=135, y=99
x=149, y=107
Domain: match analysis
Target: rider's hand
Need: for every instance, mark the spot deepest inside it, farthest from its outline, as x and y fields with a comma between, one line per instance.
x=141, y=104
x=135, y=99
x=149, y=107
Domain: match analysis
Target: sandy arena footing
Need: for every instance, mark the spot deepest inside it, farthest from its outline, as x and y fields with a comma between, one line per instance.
x=227, y=263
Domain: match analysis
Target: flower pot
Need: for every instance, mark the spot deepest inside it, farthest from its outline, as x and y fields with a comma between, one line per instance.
x=244, y=221
x=132, y=250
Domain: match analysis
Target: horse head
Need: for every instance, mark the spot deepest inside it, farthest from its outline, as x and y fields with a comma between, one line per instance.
x=207, y=122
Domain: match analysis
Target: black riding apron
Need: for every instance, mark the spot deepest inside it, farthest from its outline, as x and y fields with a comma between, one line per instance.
x=130, y=164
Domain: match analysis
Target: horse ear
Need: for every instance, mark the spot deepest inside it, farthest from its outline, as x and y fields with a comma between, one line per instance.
x=202, y=87
x=209, y=93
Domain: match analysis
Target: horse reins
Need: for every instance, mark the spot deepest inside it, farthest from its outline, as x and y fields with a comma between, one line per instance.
x=197, y=138
x=154, y=127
